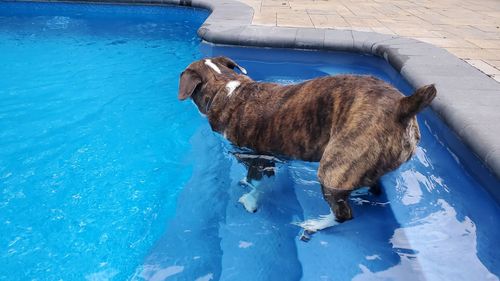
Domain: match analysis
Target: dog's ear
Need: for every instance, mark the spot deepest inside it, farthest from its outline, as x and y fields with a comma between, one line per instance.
x=188, y=83
x=229, y=63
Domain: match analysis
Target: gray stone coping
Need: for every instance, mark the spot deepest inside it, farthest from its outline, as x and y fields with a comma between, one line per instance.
x=468, y=100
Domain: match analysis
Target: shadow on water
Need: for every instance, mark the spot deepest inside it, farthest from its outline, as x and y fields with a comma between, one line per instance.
x=212, y=237
x=260, y=246
x=189, y=249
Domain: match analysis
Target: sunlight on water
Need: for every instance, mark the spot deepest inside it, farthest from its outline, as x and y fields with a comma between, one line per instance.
x=93, y=141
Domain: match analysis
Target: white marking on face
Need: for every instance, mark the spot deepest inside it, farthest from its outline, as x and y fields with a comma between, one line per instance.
x=224, y=134
x=212, y=65
x=231, y=86
x=244, y=71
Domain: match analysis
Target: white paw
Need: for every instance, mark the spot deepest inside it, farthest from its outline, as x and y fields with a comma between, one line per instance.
x=250, y=201
x=320, y=223
x=243, y=182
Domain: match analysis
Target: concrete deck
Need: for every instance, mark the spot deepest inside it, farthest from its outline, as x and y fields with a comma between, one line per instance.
x=468, y=29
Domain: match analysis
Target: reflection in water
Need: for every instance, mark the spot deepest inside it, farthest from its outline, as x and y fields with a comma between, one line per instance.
x=189, y=249
x=411, y=184
x=435, y=247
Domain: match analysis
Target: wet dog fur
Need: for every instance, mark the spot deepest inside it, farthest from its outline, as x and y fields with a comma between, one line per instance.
x=357, y=127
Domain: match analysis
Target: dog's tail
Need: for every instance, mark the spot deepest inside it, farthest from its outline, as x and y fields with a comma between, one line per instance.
x=411, y=105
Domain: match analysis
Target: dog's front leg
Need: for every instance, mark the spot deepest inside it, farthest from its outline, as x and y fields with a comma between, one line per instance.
x=257, y=169
x=376, y=189
x=250, y=200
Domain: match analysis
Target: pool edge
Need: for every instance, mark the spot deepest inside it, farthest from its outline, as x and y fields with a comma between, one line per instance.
x=459, y=84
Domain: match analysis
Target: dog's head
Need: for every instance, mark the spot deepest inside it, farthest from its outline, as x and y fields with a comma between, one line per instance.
x=201, y=79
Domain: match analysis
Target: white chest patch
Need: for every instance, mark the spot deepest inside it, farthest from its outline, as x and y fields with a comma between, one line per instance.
x=212, y=65
x=231, y=86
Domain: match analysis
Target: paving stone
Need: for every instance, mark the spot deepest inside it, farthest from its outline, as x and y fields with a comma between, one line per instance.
x=443, y=23
x=324, y=21
x=486, y=43
x=484, y=67
x=294, y=19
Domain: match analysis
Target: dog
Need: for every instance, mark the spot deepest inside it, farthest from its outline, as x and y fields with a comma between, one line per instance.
x=357, y=127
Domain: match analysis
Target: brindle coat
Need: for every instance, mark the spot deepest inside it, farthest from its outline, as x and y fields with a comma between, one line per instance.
x=357, y=127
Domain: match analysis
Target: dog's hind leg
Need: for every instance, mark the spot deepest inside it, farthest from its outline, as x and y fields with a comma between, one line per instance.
x=341, y=171
x=376, y=189
x=340, y=211
x=339, y=202
x=324, y=221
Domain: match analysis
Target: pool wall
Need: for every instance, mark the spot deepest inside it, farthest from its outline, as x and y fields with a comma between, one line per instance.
x=467, y=99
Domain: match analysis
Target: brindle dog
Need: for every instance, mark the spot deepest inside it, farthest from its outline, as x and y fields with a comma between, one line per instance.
x=357, y=127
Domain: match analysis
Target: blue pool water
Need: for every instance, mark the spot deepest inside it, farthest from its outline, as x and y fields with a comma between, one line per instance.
x=104, y=175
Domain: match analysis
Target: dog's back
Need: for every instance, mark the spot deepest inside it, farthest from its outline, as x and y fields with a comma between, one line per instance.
x=299, y=120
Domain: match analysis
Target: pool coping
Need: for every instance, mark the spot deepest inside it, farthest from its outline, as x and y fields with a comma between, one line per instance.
x=466, y=100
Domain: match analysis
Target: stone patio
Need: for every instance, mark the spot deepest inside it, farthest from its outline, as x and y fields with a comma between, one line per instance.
x=468, y=29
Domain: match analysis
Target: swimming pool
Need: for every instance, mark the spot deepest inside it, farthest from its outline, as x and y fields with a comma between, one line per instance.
x=104, y=175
